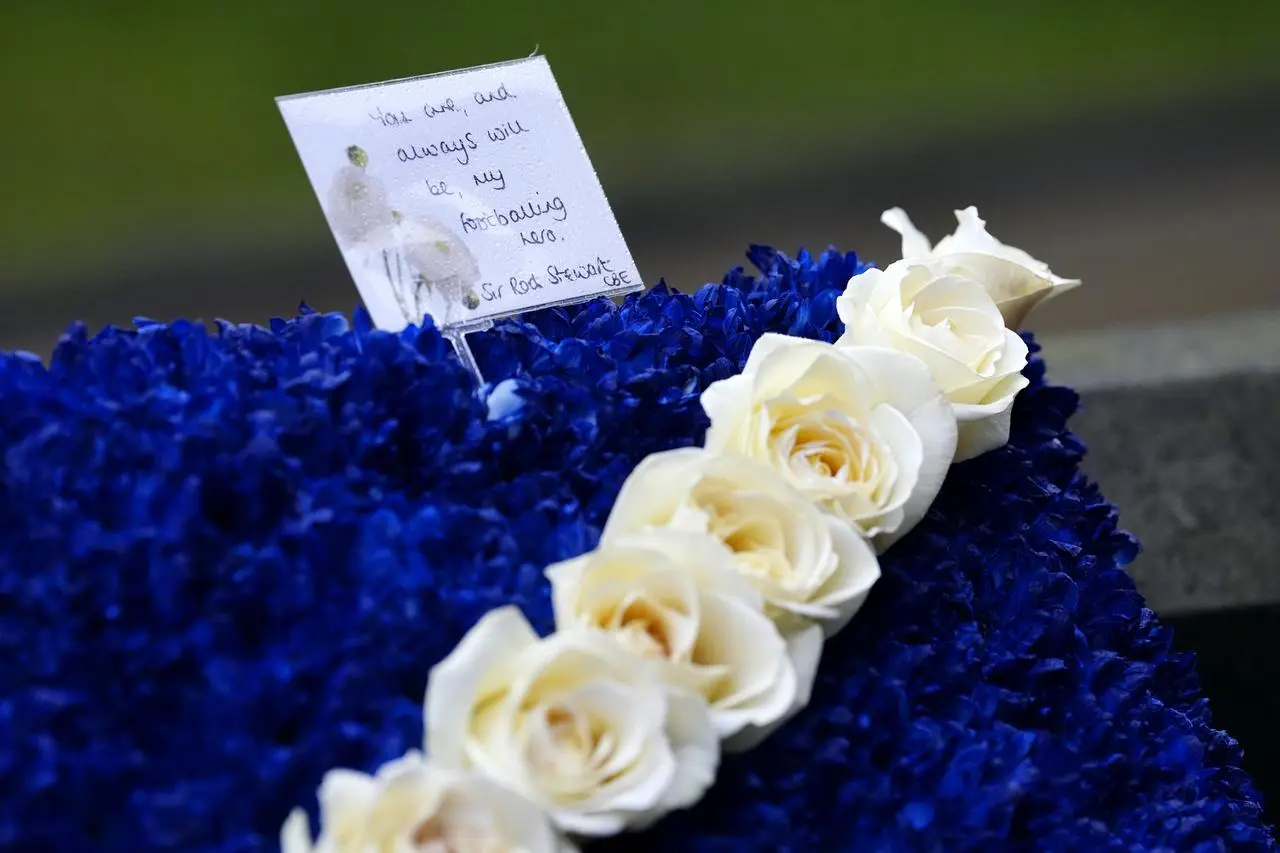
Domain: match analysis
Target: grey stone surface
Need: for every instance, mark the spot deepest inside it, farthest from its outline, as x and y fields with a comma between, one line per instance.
x=1195, y=468
x=1141, y=356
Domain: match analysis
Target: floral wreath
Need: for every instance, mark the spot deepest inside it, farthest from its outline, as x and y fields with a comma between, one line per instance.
x=697, y=624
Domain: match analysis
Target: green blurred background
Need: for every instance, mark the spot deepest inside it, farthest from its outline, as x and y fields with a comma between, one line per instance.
x=146, y=169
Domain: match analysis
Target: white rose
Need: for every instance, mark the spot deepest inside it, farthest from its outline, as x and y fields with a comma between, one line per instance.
x=413, y=805
x=863, y=431
x=1016, y=281
x=804, y=562
x=939, y=314
x=676, y=599
x=571, y=723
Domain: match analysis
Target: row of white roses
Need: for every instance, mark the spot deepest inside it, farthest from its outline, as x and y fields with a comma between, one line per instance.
x=698, y=622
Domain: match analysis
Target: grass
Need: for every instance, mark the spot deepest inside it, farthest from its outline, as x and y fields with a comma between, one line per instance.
x=162, y=114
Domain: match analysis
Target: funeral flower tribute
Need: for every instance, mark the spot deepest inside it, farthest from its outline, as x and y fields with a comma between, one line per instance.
x=801, y=561
x=698, y=624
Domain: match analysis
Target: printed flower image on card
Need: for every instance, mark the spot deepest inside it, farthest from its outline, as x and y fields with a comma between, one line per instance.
x=428, y=269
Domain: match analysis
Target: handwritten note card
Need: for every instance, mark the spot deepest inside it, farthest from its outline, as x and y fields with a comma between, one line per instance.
x=464, y=196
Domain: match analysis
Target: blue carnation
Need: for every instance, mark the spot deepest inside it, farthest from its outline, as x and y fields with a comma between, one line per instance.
x=230, y=558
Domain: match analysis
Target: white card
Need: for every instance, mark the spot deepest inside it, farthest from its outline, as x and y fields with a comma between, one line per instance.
x=464, y=196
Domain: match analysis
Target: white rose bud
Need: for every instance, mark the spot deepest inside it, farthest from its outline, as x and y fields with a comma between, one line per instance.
x=863, y=431
x=570, y=723
x=805, y=563
x=1016, y=281
x=677, y=600
x=939, y=314
x=411, y=804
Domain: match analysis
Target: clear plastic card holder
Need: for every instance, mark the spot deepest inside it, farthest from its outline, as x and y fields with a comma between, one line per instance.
x=465, y=196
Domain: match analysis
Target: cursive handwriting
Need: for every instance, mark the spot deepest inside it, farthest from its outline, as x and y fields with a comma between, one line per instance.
x=514, y=286
x=501, y=218
x=537, y=237
x=505, y=131
x=390, y=119
x=460, y=147
x=600, y=268
x=440, y=188
x=497, y=95
x=492, y=176
x=597, y=268
x=446, y=106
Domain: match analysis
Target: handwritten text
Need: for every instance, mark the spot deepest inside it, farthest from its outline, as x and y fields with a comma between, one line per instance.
x=504, y=217
x=495, y=96
x=460, y=147
x=491, y=176
x=390, y=119
x=597, y=268
x=503, y=132
x=443, y=108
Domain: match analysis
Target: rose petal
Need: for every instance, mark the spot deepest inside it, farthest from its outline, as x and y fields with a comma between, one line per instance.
x=946, y=289
x=804, y=647
x=727, y=401
x=455, y=683
x=746, y=644
x=858, y=294
x=696, y=747
x=517, y=820
x=574, y=659
x=914, y=243
x=899, y=435
x=772, y=342
x=343, y=792
x=622, y=573
x=653, y=492
x=295, y=835
x=846, y=590
x=979, y=434
x=637, y=718
x=948, y=371
x=804, y=652
x=904, y=382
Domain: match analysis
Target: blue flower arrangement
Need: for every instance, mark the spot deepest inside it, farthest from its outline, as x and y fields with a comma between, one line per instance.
x=229, y=560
